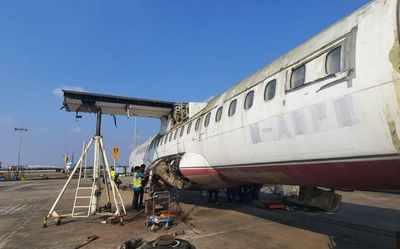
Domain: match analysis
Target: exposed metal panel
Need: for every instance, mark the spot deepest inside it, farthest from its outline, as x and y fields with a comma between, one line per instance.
x=116, y=105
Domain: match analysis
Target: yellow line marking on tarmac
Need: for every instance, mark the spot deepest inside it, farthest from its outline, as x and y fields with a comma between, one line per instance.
x=221, y=232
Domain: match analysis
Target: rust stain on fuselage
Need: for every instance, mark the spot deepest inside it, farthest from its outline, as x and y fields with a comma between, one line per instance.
x=394, y=58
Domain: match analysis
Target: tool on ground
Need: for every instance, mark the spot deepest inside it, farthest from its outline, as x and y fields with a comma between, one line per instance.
x=88, y=240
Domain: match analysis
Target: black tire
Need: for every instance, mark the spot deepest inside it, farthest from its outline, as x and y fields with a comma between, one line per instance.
x=183, y=244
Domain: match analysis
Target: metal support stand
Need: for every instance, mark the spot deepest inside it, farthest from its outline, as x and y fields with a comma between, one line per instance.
x=94, y=198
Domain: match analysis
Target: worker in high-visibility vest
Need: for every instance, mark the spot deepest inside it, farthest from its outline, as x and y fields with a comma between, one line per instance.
x=137, y=187
x=113, y=174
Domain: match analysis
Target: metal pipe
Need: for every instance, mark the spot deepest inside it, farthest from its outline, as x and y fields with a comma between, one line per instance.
x=20, y=130
x=98, y=123
x=19, y=147
x=96, y=175
x=112, y=183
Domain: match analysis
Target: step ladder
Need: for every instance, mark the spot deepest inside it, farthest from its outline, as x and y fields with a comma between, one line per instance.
x=83, y=210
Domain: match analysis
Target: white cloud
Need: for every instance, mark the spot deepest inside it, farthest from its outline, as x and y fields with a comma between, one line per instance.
x=209, y=98
x=77, y=130
x=6, y=120
x=58, y=91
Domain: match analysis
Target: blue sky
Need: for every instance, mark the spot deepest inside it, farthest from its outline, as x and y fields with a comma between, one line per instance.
x=181, y=50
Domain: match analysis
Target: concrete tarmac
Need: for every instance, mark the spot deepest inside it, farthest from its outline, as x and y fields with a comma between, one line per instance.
x=365, y=220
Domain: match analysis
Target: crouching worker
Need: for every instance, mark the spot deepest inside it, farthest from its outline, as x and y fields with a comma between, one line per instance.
x=137, y=187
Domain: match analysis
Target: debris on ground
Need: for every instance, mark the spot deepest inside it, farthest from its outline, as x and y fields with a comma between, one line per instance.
x=163, y=241
x=131, y=244
x=88, y=240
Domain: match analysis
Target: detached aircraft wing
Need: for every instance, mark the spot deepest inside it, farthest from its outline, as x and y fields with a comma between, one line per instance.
x=75, y=101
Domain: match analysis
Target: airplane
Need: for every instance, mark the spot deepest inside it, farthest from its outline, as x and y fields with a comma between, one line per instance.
x=324, y=115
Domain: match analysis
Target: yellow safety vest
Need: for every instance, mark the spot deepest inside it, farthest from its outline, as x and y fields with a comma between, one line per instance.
x=113, y=174
x=137, y=182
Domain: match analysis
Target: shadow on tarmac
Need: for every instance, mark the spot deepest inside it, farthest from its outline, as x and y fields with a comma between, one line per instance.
x=352, y=226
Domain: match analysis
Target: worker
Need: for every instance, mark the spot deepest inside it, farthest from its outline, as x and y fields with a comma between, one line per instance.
x=117, y=181
x=137, y=188
x=210, y=195
x=256, y=191
x=113, y=174
x=145, y=178
x=230, y=194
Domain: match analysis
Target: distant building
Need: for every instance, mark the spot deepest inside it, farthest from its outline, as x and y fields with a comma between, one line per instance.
x=121, y=170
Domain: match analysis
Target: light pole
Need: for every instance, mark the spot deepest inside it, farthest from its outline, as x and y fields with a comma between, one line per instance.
x=20, y=130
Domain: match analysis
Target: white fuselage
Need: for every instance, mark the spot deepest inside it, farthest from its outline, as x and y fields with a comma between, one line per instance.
x=336, y=129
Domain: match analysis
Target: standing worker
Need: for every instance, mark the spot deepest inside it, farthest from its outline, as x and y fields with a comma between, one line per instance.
x=137, y=187
x=113, y=174
x=211, y=193
x=144, y=182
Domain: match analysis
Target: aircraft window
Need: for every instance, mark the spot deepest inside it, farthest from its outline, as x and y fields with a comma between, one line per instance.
x=170, y=136
x=298, y=77
x=197, y=125
x=207, y=119
x=182, y=129
x=248, y=102
x=175, y=134
x=332, y=63
x=158, y=143
x=166, y=138
x=232, y=108
x=189, y=128
x=218, y=115
x=269, y=91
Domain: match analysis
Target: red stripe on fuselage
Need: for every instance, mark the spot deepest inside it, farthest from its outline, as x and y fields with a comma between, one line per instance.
x=365, y=174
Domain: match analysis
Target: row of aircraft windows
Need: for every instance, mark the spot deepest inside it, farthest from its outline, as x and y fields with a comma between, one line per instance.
x=269, y=93
x=297, y=79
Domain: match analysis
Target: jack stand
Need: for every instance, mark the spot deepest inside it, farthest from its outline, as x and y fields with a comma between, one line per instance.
x=95, y=190
x=319, y=198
